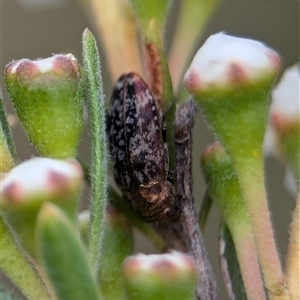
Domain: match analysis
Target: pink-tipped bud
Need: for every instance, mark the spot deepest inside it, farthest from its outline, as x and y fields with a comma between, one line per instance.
x=60, y=66
x=29, y=185
x=40, y=178
x=47, y=97
x=227, y=61
x=165, y=276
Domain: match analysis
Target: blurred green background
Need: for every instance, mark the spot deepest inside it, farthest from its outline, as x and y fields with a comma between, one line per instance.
x=36, y=29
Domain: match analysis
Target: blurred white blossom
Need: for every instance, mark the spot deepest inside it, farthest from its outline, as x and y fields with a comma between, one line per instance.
x=284, y=115
x=285, y=105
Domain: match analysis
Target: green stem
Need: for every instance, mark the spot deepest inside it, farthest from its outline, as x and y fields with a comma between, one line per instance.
x=236, y=232
x=99, y=154
x=293, y=254
x=252, y=184
x=245, y=247
x=238, y=118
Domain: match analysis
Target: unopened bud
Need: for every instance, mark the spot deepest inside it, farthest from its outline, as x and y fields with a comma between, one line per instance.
x=225, y=61
x=26, y=187
x=161, y=277
x=47, y=97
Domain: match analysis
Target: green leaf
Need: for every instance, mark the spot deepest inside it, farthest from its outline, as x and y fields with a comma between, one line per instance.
x=15, y=265
x=99, y=159
x=63, y=256
x=230, y=266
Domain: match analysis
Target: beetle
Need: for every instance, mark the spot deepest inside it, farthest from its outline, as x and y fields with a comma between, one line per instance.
x=137, y=135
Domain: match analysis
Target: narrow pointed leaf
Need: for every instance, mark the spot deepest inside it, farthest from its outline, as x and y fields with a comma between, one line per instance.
x=230, y=266
x=15, y=265
x=99, y=159
x=63, y=256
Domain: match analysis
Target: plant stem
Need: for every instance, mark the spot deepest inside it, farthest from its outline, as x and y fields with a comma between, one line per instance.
x=184, y=122
x=238, y=118
x=230, y=266
x=257, y=206
x=248, y=261
x=7, y=132
x=293, y=255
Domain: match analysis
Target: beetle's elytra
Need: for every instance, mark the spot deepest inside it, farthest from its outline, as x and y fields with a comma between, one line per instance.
x=137, y=144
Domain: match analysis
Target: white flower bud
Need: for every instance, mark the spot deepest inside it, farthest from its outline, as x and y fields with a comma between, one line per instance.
x=225, y=61
x=41, y=178
x=172, y=263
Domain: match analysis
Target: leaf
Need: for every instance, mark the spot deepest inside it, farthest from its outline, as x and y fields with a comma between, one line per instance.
x=63, y=256
x=99, y=159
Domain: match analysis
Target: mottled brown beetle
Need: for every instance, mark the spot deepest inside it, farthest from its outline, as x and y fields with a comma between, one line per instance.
x=137, y=144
